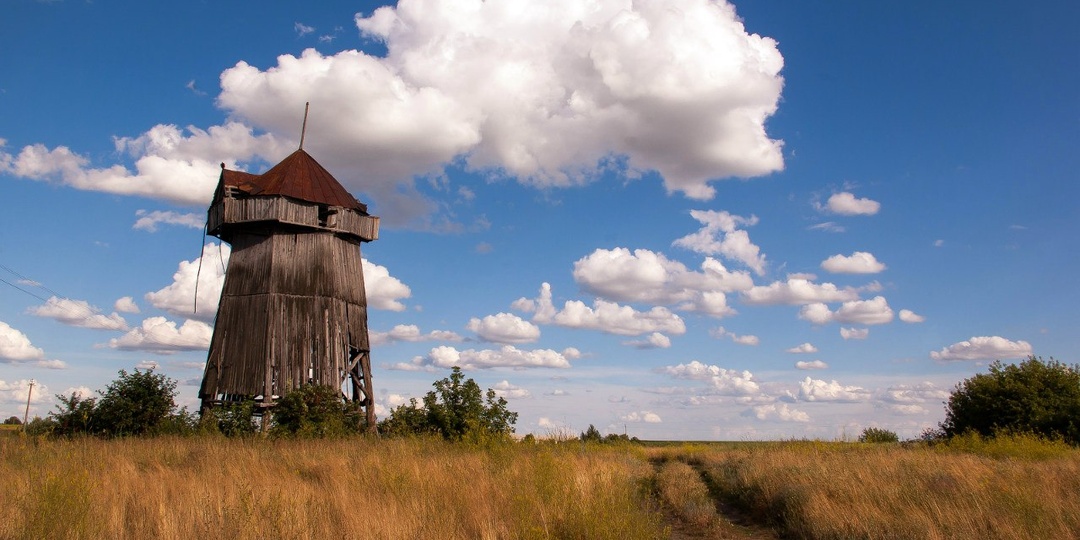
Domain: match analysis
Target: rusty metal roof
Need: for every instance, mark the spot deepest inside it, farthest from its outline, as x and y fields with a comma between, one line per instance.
x=298, y=176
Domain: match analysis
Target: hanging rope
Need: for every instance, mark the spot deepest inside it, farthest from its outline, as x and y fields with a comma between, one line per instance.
x=198, y=270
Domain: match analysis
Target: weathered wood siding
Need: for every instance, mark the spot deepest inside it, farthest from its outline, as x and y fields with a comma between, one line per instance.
x=229, y=211
x=366, y=227
x=292, y=309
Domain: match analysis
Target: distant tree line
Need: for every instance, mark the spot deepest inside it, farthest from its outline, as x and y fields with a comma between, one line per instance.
x=1034, y=397
x=143, y=403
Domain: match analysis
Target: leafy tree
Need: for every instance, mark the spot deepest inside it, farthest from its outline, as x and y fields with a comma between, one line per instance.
x=13, y=421
x=407, y=419
x=1042, y=398
x=456, y=410
x=73, y=415
x=591, y=435
x=878, y=435
x=316, y=411
x=134, y=404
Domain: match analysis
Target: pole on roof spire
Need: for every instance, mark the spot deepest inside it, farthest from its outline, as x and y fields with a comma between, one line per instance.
x=303, y=129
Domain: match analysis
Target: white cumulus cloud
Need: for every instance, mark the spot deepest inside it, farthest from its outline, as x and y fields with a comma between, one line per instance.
x=19, y=391
x=411, y=333
x=172, y=164
x=383, y=290
x=570, y=89
x=646, y=276
x=873, y=311
x=647, y=417
x=159, y=335
x=149, y=221
x=506, y=356
x=854, y=333
x=778, y=411
x=908, y=316
x=15, y=346
x=78, y=313
x=721, y=333
x=915, y=393
x=859, y=262
x=813, y=364
x=179, y=298
x=655, y=340
x=568, y=84
x=805, y=348
x=723, y=381
x=603, y=316
x=721, y=235
x=847, y=204
x=797, y=290
x=984, y=348
x=832, y=391
x=506, y=390
x=504, y=328
x=126, y=304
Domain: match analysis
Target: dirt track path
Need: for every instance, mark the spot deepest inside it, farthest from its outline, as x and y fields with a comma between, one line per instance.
x=729, y=522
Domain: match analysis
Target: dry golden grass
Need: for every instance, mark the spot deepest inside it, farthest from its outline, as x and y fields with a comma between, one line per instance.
x=407, y=489
x=842, y=490
x=358, y=488
x=680, y=487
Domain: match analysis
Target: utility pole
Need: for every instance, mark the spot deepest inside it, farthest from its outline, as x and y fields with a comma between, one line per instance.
x=26, y=415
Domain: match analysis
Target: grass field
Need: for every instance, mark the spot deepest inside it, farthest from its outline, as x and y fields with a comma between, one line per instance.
x=206, y=487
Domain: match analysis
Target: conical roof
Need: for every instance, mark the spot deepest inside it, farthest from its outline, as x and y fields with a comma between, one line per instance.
x=298, y=176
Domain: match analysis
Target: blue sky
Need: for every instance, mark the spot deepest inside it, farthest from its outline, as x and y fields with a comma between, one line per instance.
x=754, y=221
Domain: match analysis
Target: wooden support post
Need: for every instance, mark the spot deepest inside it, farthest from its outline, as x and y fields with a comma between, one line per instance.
x=369, y=393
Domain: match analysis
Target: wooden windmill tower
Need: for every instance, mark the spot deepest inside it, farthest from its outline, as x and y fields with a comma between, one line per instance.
x=293, y=309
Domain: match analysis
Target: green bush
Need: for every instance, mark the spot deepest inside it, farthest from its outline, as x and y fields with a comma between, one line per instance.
x=231, y=419
x=878, y=435
x=456, y=410
x=1037, y=397
x=73, y=415
x=316, y=411
x=139, y=403
x=134, y=404
x=592, y=435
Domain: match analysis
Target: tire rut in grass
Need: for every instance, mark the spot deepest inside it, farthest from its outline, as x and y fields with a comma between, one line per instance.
x=694, y=507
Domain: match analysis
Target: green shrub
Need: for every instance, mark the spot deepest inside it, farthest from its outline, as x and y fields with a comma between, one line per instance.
x=73, y=415
x=878, y=435
x=231, y=419
x=316, y=411
x=1037, y=397
x=592, y=435
x=134, y=404
x=456, y=410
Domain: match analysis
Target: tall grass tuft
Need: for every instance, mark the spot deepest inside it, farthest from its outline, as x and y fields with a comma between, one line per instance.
x=681, y=488
x=840, y=491
x=349, y=488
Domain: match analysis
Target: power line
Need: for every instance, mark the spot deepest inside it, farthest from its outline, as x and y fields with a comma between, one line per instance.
x=20, y=289
x=85, y=315
x=26, y=279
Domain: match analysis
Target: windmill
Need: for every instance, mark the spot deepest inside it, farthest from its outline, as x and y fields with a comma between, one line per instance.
x=293, y=309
